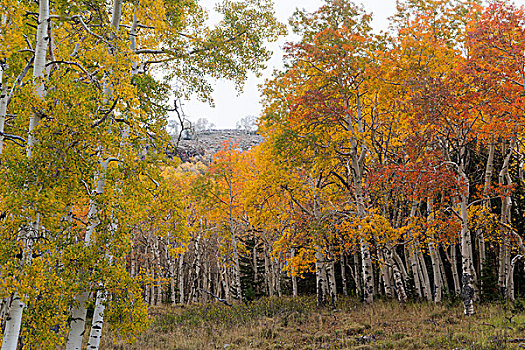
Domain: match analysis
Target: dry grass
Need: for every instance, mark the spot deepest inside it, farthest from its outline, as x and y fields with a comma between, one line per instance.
x=298, y=324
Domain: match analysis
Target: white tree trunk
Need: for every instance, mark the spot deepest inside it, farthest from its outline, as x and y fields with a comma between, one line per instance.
x=489, y=169
x=320, y=277
x=294, y=277
x=79, y=311
x=506, y=205
x=3, y=104
x=467, y=261
x=343, y=275
x=385, y=273
x=452, y=258
x=424, y=272
x=438, y=284
x=236, y=267
x=397, y=276
x=181, y=278
x=98, y=320
x=171, y=270
x=510, y=278
x=276, y=272
x=14, y=321
x=357, y=275
x=78, y=322
x=332, y=286
x=39, y=65
x=436, y=268
x=414, y=266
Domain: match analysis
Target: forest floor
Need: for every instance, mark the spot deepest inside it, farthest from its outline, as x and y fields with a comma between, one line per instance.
x=287, y=323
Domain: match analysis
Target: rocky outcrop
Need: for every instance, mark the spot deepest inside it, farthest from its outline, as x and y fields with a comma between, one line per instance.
x=202, y=145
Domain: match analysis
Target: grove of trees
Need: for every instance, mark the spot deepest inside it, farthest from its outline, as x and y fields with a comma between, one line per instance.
x=393, y=164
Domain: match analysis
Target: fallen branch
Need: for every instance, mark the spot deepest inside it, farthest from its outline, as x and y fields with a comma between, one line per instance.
x=216, y=297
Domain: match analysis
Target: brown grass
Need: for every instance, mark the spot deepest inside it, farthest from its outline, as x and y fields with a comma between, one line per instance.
x=288, y=323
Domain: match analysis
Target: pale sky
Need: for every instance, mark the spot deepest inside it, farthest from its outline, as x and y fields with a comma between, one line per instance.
x=230, y=107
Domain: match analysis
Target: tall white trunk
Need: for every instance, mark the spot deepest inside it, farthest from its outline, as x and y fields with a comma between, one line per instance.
x=436, y=272
x=397, y=276
x=14, y=321
x=98, y=320
x=78, y=322
x=181, y=278
x=39, y=65
x=171, y=270
x=510, y=278
x=414, y=267
x=79, y=311
x=489, y=169
x=236, y=267
x=268, y=276
x=332, y=285
x=344, y=281
x=160, y=278
x=294, y=277
x=357, y=275
x=424, y=275
x=116, y=14
x=357, y=169
x=276, y=268
x=452, y=258
x=467, y=261
x=436, y=268
x=320, y=277
x=506, y=205
x=3, y=104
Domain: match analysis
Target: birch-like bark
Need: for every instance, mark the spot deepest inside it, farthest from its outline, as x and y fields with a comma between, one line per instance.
x=357, y=169
x=171, y=271
x=116, y=14
x=39, y=65
x=357, y=275
x=181, y=279
x=3, y=103
x=424, y=273
x=160, y=277
x=399, y=262
x=452, y=258
x=255, y=268
x=467, y=261
x=387, y=277
x=332, y=286
x=505, y=217
x=197, y=267
x=233, y=236
x=510, y=278
x=277, y=278
x=444, y=280
x=344, y=282
x=226, y=284
x=320, y=277
x=489, y=169
x=14, y=319
x=13, y=324
x=79, y=310
x=98, y=320
x=397, y=276
x=294, y=277
x=436, y=269
x=267, y=274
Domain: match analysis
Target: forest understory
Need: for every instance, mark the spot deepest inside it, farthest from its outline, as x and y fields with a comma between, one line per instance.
x=392, y=168
x=297, y=323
